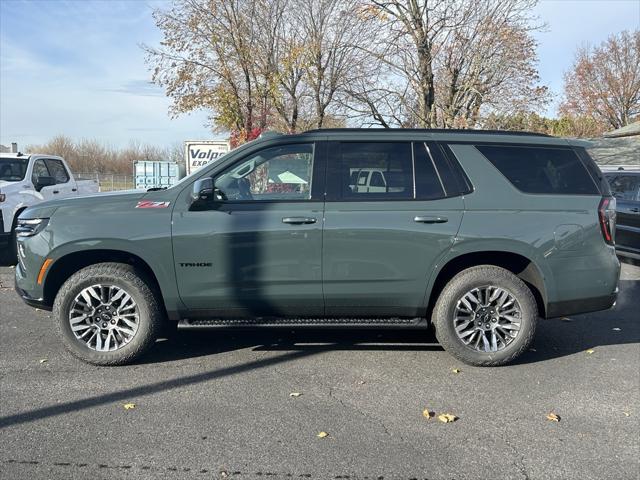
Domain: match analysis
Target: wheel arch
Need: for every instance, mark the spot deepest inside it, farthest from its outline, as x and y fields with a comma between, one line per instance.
x=518, y=264
x=70, y=263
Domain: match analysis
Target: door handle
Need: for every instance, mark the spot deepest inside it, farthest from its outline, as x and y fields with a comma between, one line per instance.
x=74, y=189
x=56, y=191
x=299, y=220
x=634, y=209
x=430, y=219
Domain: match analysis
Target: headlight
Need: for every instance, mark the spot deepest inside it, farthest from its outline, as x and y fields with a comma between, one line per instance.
x=31, y=226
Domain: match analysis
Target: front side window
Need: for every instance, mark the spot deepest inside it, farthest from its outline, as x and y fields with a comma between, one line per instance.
x=277, y=173
x=39, y=170
x=57, y=170
x=626, y=187
x=533, y=169
x=370, y=170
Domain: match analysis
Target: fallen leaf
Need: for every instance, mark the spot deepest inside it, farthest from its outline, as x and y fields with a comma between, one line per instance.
x=295, y=394
x=590, y=351
x=532, y=350
x=626, y=414
x=43, y=360
x=361, y=382
x=456, y=370
x=553, y=417
x=565, y=319
x=223, y=474
x=322, y=435
x=616, y=329
x=129, y=406
x=447, y=418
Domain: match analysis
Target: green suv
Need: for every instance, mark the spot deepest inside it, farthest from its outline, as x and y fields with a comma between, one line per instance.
x=478, y=233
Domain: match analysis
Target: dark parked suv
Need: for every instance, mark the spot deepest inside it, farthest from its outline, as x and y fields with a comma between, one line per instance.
x=625, y=187
x=476, y=233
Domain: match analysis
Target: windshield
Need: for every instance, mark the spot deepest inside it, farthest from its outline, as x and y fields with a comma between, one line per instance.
x=13, y=169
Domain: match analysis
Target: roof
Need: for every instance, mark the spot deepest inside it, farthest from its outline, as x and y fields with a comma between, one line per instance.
x=630, y=130
x=426, y=130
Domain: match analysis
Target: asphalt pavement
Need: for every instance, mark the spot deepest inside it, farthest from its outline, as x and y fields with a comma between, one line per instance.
x=218, y=404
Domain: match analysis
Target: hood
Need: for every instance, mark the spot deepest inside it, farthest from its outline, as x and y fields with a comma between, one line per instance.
x=97, y=198
x=46, y=209
x=5, y=183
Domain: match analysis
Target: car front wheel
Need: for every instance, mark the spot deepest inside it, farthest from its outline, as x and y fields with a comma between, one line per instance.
x=107, y=314
x=485, y=316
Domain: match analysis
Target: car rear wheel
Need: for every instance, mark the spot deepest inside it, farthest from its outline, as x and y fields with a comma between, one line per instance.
x=485, y=316
x=107, y=314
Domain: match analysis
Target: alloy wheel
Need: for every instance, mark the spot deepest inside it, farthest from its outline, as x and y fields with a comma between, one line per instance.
x=104, y=317
x=487, y=318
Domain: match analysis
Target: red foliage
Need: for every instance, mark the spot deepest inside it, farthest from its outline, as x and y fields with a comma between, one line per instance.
x=238, y=137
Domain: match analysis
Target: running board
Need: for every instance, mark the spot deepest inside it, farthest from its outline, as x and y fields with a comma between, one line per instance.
x=308, y=322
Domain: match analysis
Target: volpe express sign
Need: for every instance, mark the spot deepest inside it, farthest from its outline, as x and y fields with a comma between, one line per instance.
x=199, y=153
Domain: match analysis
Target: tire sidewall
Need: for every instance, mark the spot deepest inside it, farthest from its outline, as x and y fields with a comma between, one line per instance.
x=77, y=347
x=466, y=281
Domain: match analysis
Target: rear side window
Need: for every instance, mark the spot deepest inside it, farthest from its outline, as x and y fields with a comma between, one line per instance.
x=373, y=170
x=430, y=183
x=541, y=169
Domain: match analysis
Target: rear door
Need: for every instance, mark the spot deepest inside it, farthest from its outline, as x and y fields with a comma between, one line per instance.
x=626, y=189
x=380, y=245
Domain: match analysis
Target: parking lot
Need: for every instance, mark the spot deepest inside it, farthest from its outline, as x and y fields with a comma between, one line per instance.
x=218, y=404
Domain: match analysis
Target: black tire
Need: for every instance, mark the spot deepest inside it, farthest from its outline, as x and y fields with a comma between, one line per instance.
x=458, y=286
x=12, y=255
x=126, y=277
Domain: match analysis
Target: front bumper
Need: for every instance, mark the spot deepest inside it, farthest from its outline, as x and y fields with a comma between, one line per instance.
x=30, y=292
x=33, y=302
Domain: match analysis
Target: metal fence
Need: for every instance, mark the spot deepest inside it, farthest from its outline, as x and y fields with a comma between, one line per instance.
x=109, y=181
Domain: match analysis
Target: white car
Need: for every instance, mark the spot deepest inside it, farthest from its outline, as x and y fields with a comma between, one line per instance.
x=29, y=179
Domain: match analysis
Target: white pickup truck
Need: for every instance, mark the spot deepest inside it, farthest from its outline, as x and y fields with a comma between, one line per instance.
x=28, y=179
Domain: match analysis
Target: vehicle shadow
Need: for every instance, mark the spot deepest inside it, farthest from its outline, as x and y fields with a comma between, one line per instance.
x=555, y=338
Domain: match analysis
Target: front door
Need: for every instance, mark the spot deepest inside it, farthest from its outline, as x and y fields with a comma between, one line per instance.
x=380, y=244
x=255, y=251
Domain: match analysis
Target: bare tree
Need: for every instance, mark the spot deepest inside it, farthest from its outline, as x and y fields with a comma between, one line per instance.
x=604, y=82
x=442, y=61
x=206, y=60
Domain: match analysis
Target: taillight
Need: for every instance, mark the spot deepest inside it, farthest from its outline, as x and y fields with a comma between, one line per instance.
x=607, y=218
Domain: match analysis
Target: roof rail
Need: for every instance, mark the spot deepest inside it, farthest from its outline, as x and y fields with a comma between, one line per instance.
x=270, y=134
x=428, y=130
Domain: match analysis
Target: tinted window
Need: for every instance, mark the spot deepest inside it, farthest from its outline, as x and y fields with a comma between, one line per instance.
x=428, y=182
x=594, y=170
x=541, y=169
x=455, y=180
x=277, y=173
x=370, y=170
x=625, y=187
x=39, y=170
x=13, y=169
x=57, y=170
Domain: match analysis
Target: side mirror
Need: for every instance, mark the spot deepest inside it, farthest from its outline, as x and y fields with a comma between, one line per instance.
x=202, y=190
x=44, y=181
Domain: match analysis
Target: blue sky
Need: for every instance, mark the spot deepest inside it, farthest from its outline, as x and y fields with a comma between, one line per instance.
x=74, y=67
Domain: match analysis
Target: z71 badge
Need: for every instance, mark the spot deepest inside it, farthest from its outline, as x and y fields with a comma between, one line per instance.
x=150, y=204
